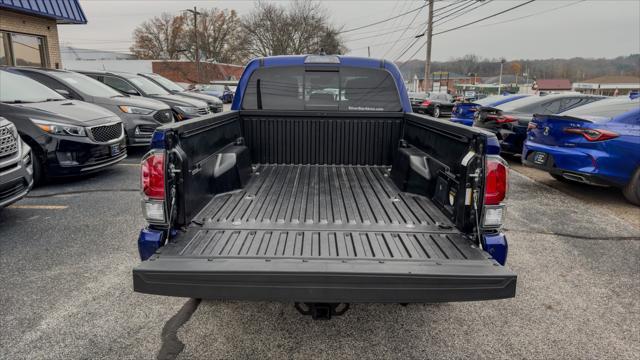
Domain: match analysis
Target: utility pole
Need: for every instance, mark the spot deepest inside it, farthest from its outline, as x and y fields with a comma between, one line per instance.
x=195, y=13
x=427, y=63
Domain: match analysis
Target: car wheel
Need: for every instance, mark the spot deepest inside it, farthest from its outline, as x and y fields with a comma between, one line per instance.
x=39, y=174
x=631, y=191
x=436, y=112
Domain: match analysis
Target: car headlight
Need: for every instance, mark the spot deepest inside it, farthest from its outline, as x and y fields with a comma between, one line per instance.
x=134, y=110
x=189, y=110
x=59, y=129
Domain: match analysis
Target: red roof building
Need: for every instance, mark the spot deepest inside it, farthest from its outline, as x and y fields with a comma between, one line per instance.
x=552, y=85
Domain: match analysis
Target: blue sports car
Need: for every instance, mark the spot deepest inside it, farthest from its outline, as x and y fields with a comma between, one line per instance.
x=597, y=144
x=220, y=91
x=463, y=112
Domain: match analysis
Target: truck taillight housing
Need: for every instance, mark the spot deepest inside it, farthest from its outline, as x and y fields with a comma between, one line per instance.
x=152, y=183
x=152, y=175
x=496, y=177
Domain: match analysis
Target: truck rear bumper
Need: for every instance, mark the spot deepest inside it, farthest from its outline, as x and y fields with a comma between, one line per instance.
x=332, y=281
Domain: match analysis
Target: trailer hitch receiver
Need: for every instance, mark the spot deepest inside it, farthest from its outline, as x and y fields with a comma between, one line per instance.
x=322, y=311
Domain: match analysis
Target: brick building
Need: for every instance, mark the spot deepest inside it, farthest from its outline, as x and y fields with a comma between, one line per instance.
x=186, y=71
x=29, y=30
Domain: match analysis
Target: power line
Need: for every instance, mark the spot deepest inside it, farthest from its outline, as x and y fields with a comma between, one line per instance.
x=531, y=15
x=404, y=32
x=382, y=21
x=485, y=2
x=461, y=26
x=485, y=18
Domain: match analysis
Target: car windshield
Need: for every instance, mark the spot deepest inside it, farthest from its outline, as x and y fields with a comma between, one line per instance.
x=490, y=100
x=603, y=110
x=87, y=85
x=148, y=87
x=166, y=83
x=521, y=103
x=415, y=95
x=16, y=88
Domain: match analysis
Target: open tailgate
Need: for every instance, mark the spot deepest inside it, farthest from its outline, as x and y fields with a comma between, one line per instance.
x=423, y=270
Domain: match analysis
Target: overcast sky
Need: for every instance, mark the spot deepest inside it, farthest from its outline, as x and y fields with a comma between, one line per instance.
x=542, y=29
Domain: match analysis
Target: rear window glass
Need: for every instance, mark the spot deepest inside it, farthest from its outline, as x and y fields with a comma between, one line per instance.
x=341, y=89
x=603, y=110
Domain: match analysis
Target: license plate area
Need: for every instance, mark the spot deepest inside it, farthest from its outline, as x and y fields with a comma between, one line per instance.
x=540, y=158
x=114, y=149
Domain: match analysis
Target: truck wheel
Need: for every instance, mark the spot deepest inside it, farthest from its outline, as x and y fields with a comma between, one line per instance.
x=436, y=112
x=631, y=191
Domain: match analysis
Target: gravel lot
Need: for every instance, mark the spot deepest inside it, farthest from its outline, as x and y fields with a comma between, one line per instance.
x=66, y=254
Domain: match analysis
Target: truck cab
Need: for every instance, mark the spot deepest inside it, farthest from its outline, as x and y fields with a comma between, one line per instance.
x=321, y=187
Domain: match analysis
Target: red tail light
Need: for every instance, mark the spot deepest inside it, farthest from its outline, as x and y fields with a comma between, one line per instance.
x=496, y=178
x=592, y=134
x=426, y=103
x=152, y=175
x=501, y=119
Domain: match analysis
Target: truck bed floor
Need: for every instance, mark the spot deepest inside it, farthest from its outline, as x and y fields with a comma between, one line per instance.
x=322, y=211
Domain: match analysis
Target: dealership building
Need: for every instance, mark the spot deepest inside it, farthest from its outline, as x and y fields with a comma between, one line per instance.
x=29, y=30
x=609, y=85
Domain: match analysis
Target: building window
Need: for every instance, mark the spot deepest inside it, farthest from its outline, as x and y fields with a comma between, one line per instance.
x=22, y=50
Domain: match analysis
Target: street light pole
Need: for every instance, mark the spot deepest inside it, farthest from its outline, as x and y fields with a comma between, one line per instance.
x=195, y=13
x=502, y=61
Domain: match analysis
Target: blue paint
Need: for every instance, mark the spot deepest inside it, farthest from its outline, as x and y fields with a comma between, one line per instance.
x=607, y=162
x=463, y=112
x=493, y=146
x=63, y=11
x=149, y=241
x=497, y=246
x=298, y=60
x=157, y=140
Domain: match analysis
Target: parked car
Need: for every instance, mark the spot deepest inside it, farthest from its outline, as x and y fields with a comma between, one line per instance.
x=509, y=121
x=463, y=112
x=222, y=92
x=16, y=167
x=66, y=137
x=140, y=116
x=434, y=104
x=214, y=103
x=136, y=85
x=597, y=144
x=323, y=200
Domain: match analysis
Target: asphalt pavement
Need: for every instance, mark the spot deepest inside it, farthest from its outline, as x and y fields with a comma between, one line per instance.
x=66, y=254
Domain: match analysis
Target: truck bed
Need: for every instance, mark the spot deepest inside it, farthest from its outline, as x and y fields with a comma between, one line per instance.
x=323, y=233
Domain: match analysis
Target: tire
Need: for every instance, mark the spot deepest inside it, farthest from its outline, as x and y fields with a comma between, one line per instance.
x=631, y=191
x=39, y=175
x=436, y=112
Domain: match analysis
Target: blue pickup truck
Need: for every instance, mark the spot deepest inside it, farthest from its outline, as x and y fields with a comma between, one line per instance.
x=321, y=188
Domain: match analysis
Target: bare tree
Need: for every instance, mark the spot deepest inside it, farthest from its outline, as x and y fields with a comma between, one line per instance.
x=159, y=38
x=219, y=37
x=301, y=28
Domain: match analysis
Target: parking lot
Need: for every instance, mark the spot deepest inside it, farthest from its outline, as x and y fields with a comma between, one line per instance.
x=67, y=250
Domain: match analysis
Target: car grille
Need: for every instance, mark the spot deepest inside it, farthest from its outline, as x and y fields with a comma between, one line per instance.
x=106, y=133
x=163, y=116
x=203, y=111
x=215, y=108
x=8, y=143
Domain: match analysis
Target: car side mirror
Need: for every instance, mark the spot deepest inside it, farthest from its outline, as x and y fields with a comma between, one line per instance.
x=64, y=93
x=131, y=92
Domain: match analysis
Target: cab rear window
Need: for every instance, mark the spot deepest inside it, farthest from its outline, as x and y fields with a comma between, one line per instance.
x=330, y=89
